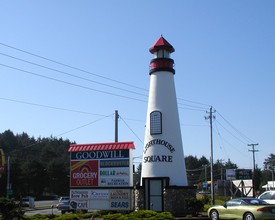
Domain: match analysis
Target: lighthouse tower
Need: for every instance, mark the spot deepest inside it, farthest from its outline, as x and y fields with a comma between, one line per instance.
x=163, y=159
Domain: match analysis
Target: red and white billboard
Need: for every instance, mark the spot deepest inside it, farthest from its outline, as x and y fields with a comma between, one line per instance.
x=84, y=173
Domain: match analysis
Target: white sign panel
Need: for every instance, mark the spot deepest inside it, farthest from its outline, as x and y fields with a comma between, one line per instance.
x=79, y=194
x=230, y=174
x=99, y=194
x=102, y=199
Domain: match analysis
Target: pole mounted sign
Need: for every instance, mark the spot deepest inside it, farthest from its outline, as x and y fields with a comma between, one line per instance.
x=238, y=174
x=101, y=176
x=243, y=174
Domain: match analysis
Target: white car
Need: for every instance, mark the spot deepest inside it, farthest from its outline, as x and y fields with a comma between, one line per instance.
x=268, y=196
x=66, y=206
x=63, y=199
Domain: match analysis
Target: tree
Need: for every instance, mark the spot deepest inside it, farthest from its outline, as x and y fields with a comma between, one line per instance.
x=257, y=178
x=34, y=164
x=269, y=163
x=58, y=177
x=196, y=169
x=269, y=169
x=35, y=178
x=137, y=174
x=230, y=165
x=10, y=209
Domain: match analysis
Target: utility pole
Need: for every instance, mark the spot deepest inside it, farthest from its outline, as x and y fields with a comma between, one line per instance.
x=116, y=125
x=211, y=116
x=205, y=172
x=254, y=166
x=8, y=178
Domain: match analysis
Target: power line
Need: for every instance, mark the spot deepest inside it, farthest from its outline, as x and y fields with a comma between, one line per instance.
x=85, y=125
x=66, y=132
x=200, y=103
x=225, y=140
x=80, y=112
x=72, y=75
x=69, y=66
x=85, y=87
x=220, y=140
x=236, y=130
x=230, y=132
x=192, y=107
x=131, y=130
x=72, y=84
x=50, y=107
x=97, y=75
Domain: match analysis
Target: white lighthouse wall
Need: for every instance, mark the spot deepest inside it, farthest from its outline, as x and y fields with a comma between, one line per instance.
x=162, y=97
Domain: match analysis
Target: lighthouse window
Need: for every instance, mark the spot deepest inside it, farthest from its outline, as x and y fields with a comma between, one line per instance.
x=162, y=54
x=155, y=122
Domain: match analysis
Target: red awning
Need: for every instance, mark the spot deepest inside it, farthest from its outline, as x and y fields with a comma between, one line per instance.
x=102, y=146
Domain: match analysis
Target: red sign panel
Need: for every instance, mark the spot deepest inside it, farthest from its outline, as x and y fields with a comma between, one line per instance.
x=84, y=173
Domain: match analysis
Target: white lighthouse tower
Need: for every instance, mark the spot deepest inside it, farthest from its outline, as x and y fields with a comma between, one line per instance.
x=163, y=159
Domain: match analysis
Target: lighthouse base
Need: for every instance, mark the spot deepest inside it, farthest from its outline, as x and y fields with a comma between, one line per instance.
x=178, y=200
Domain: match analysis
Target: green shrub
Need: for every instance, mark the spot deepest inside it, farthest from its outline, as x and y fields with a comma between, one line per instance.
x=107, y=215
x=205, y=199
x=143, y=214
x=165, y=216
x=193, y=206
x=10, y=209
x=149, y=214
x=217, y=202
x=117, y=216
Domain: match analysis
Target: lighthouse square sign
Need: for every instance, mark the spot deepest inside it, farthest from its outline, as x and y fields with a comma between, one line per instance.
x=158, y=158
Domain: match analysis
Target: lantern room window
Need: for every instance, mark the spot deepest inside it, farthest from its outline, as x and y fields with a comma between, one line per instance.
x=162, y=53
x=156, y=122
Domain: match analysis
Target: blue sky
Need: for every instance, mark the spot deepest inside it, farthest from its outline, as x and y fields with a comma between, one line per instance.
x=66, y=66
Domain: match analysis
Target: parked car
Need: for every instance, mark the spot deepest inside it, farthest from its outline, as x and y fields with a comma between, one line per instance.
x=63, y=199
x=66, y=206
x=243, y=209
x=27, y=201
x=268, y=196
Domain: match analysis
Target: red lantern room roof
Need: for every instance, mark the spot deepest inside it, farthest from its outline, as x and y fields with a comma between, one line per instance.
x=161, y=43
x=102, y=146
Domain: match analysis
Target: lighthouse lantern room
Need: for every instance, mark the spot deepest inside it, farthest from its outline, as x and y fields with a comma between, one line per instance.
x=162, y=50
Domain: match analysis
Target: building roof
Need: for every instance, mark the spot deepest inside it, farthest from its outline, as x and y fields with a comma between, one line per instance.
x=161, y=43
x=102, y=146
